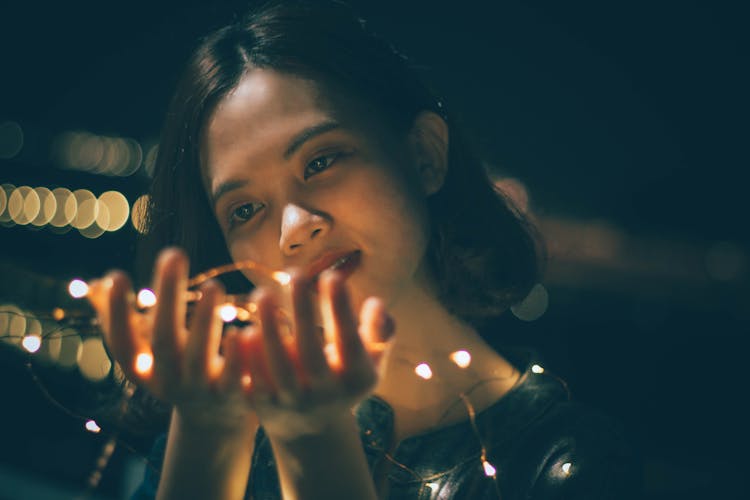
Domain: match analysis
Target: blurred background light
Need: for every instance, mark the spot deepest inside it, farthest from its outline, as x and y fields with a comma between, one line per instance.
x=12, y=324
x=48, y=206
x=533, y=306
x=117, y=207
x=87, y=209
x=138, y=214
x=93, y=363
x=11, y=139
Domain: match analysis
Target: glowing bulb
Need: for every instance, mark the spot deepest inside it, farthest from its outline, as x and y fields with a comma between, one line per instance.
x=228, y=313
x=32, y=343
x=282, y=277
x=461, y=358
x=433, y=486
x=146, y=298
x=92, y=426
x=566, y=468
x=58, y=314
x=143, y=363
x=78, y=289
x=489, y=470
x=537, y=369
x=246, y=380
x=424, y=371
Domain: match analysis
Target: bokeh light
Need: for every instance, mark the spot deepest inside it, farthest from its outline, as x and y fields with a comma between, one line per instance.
x=11, y=139
x=537, y=369
x=146, y=298
x=66, y=207
x=228, y=313
x=23, y=205
x=48, y=206
x=138, y=213
x=92, y=426
x=117, y=208
x=93, y=363
x=143, y=363
x=12, y=324
x=461, y=358
x=533, y=306
x=78, y=288
x=64, y=347
x=87, y=209
x=423, y=370
x=32, y=343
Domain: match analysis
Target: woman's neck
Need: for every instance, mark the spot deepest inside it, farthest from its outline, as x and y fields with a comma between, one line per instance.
x=427, y=334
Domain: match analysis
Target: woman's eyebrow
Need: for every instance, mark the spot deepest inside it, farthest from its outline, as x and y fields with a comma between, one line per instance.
x=307, y=134
x=223, y=189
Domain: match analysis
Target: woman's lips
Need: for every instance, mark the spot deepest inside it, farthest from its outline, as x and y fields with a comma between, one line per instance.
x=343, y=263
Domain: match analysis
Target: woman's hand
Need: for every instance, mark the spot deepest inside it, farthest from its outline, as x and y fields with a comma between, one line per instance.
x=188, y=371
x=300, y=385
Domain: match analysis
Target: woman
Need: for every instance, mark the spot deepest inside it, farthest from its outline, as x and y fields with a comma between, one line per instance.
x=298, y=140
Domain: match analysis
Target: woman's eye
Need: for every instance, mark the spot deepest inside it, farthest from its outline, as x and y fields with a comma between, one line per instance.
x=244, y=213
x=319, y=164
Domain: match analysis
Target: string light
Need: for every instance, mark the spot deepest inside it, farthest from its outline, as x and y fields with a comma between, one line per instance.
x=461, y=358
x=228, y=313
x=92, y=426
x=143, y=363
x=489, y=469
x=32, y=343
x=423, y=370
x=78, y=288
x=146, y=298
x=238, y=307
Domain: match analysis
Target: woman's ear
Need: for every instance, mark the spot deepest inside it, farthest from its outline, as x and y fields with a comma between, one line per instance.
x=428, y=139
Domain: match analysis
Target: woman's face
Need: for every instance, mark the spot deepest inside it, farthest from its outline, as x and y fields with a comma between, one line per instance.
x=300, y=181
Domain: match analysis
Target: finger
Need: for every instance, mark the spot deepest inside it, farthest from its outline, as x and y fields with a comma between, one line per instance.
x=312, y=359
x=169, y=312
x=254, y=361
x=351, y=351
x=118, y=332
x=376, y=328
x=204, y=338
x=235, y=375
x=279, y=363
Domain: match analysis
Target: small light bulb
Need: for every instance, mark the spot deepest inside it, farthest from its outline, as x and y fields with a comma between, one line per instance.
x=58, y=314
x=537, y=369
x=433, y=486
x=143, y=363
x=78, y=288
x=282, y=277
x=566, y=468
x=228, y=313
x=32, y=343
x=461, y=358
x=424, y=371
x=92, y=426
x=146, y=298
x=246, y=380
x=489, y=470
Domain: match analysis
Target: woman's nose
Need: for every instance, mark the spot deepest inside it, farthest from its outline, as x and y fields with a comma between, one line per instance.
x=299, y=227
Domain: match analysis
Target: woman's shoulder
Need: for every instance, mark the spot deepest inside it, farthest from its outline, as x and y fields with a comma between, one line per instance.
x=547, y=442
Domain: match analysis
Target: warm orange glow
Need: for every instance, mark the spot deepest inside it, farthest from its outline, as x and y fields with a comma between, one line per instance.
x=489, y=470
x=461, y=358
x=146, y=298
x=424, y=371
x=78, y=288
x=143, y=363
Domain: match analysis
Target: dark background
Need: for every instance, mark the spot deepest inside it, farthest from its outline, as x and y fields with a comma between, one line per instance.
x=628, y=115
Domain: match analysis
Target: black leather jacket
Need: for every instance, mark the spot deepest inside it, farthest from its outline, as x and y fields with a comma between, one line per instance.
x=540, y=444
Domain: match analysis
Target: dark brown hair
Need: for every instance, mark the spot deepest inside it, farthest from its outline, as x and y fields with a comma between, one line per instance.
x=482, y=268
